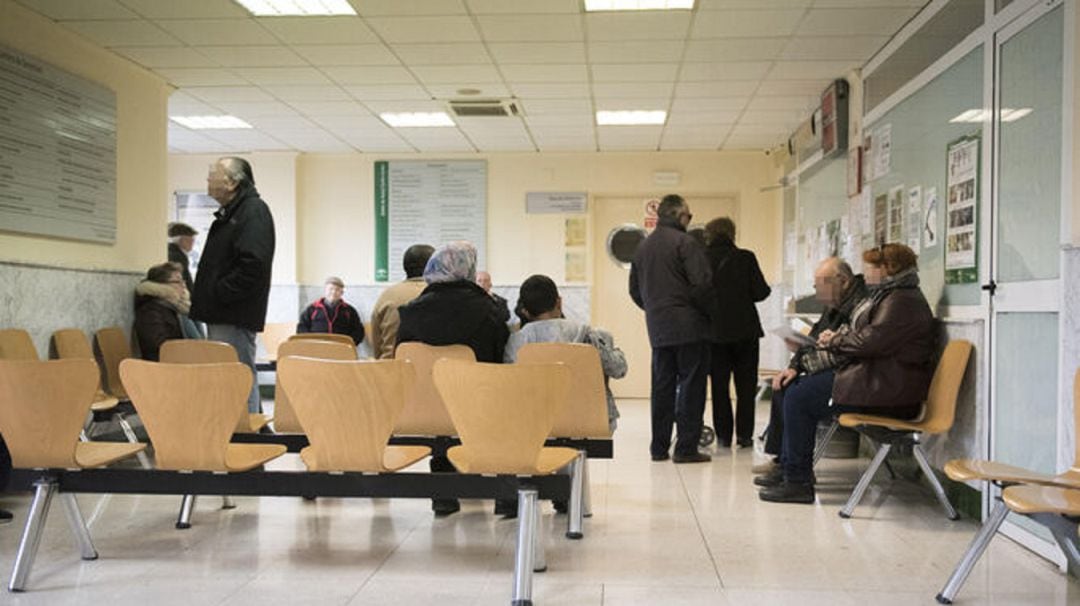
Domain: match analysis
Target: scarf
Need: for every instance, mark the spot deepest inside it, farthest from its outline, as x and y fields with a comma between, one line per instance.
x=181, y=302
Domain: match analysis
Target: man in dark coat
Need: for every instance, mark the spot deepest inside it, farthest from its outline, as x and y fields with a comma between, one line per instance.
x=181, y=241
x=232, y=286
x=670, y=279
x=331, y=314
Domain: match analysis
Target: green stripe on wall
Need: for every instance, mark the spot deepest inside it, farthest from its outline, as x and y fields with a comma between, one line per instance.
x=382, y=222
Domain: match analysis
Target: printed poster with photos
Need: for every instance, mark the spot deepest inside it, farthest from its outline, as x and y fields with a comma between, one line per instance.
x=961, y=203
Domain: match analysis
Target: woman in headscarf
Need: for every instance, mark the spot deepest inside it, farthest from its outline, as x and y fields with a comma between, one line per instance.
x=162, y=302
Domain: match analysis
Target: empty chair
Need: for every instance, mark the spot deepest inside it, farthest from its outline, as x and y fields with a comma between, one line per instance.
x=199, y=351
x=322, y=336
x=503, y=414
x=347, y=409
x=15, y=344
x=114, y=348
x=272, y=336
x=43, y=406
x=285, y=420
x=425, y=413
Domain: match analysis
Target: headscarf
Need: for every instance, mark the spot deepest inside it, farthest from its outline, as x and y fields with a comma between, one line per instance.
x=454, y=261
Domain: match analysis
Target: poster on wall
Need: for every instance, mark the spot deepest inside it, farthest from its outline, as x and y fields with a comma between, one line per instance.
x=881, y=218
x=877, y=152
x=914, y=218
x=930, y=221
x=896, y=215
x=961, y=220
x=197, y=210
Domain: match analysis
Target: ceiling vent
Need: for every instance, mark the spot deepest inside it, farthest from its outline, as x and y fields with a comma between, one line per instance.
x=485, y=108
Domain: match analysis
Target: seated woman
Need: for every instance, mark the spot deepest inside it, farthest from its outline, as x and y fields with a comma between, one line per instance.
x=161, y=306
x=887, y=350
x=540, y=310
x=454, y=310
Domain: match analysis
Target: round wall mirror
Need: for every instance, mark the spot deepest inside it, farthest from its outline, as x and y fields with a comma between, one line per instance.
x=623, y=241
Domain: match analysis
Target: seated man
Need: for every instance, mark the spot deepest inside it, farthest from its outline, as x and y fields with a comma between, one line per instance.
x=540, y=309
x=384, y=316
x=331, y=314
x=483, y=278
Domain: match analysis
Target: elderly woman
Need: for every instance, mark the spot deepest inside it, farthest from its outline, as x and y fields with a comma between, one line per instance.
x=161, y=306
x=887, y=351
x=454, y=310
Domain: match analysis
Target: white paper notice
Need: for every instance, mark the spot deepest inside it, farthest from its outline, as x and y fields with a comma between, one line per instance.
x=914, y=218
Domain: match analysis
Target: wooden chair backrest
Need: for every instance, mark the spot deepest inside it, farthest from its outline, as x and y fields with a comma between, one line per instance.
x=347, y=409
x=197, y=351
x=43, y=405
x=190, y=410
x=585, y=414
x=285, y=419
x=322, y=336
x=114, y=348
x=273, y=335
x=502, y=412
x=72, y=344
x=15, y=344
x=940, y=408
x=425, y=413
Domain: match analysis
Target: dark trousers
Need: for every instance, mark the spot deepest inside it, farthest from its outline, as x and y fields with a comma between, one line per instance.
x=774, y=435
x=679, y=375
x=806, y=403
x=5, y=465
x=738, y=359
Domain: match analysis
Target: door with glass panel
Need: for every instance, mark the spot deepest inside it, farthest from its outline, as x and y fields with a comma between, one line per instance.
x=1026, y=413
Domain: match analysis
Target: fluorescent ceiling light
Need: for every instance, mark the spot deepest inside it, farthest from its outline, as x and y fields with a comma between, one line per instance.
x=1012, y=115
x=303, y=8
x=637, y=5
x=983, y=115
x=208, y=122
x=625, y=118
x=416, y=119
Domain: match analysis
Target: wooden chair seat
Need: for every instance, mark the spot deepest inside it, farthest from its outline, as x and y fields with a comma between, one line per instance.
x=966, y=470
x=255, y=422
x=244, y=457
x=103, y=402
x=1042, y=499
x=99, y=454
x=852, y=419
x=394, y=457
x=550, y=460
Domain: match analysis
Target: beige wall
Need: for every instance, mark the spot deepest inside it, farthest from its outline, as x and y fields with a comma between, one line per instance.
x=332, y=221
x=1072, y=43
x=141, y=158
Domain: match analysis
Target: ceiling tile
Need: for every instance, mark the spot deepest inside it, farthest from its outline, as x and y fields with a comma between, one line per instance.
x=313, y=109
x=181, y=104
x=388, y=92
x=735, y=70
x=746, y=23
x=833, y=47
x=322, y=55
x=269, y=76
x=635, y=72
x=210, y=32
x=369, y=74
x=492, y=127
x=425, y=29
x=538, y=52
x=718, y=88
x=251, y=109
x=195, y=76
x=863, y=21
x=342, y=125
x=504, y=145
x=803, y=70
x=868, y=3
x=698, y=141
x=65, y=10
x=718, y=5
x=632, y=90
x=450, y=74
x=793, y=87
x=713, y=131
x=735, y=49
x=166, y=56
x=287, y=124
x=248, y=140
x=751, y=142
x=442, y=54
x=531, y=28
x=798, y=102
x=398, y=105
x=123, y=33
x=290, y=93
x=544, y=107
x=554, y=122
x=253, y=56
x=775, y=129
x=702, y=117
x=551, y=90
x=707, y=104
x=213, y=94
x=516, y=74
x=772, y=116
x=319, y=30
x=450, y=91
x=646, y=51
x=489, y=7
x=188, y=9
x=380, y=145
x=647, y=25
x=373, y=8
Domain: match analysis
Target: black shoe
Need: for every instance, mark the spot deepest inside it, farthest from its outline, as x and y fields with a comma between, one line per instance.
x=6, y=516
x=789, y=492
x=561, y=506
x=770, y=479
x=745, y=442
x=725, y=443
x=661, y=457
x=506, y=508
x=445, y=507
x=694, y=457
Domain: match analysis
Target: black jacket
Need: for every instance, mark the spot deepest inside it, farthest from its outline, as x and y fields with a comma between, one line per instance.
x=670, y=279
x=155, y=323
x=343, y=319
x=177, y=255
x=737, y=284
x=449, y=313
x=233, y=282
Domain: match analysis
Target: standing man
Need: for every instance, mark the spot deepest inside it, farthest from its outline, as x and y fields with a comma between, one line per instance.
x=670, y=279
x=384, y=317
x=233, y=282
x=181, y=241
x=331, y=314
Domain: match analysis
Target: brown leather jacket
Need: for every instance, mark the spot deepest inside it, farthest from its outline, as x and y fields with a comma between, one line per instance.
x=890, y=347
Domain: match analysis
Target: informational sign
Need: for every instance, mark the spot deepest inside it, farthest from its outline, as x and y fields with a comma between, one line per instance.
x=877, y=148
x=556, y=203
x=57, y=152
x=913, y=218
x=896, y=216
x=197, y=210
x=427, y=202
x=961, y=219
x=652, y=210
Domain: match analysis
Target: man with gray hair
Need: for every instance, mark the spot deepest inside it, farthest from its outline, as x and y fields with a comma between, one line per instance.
x=232, y=286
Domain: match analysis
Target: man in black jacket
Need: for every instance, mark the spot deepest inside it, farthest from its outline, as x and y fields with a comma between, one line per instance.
x=332, y=314
x=233, y=282
x=181, y=241
x=670, y=279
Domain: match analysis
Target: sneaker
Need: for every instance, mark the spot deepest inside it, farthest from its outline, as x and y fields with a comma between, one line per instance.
x=6, y=516
x=445, y=507
x=694, y=457
x=789, y=492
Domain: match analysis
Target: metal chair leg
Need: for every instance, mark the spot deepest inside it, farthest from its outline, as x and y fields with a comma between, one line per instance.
x=864, y=481
x=227, y=502
x=31, y=537
x=78, y=527
x=540, y=544
x=129, y=433
x=586, y=497
x=974, y=552
x=183, y=521
x=526, y=551
x=939, y=491
x=819, y=450
x=575, y=519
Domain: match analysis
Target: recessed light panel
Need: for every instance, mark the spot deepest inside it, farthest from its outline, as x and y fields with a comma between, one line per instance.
x=638, y=5
x=210, y=122
x=417, y=119
x=297, y=8
x=630, y=118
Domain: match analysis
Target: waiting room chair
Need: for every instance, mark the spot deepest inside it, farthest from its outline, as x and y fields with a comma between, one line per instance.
x=199, y=351
x=113, y=346
x=285, y=419
x=1005, y=476
x=503, y=414
x=272, y=336
x=15, y=344
x=425, y=412
x=939, y=411
x=347, y=409
x=43, y=406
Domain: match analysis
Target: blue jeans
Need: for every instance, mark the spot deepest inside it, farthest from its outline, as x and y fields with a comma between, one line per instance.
x=243, y=341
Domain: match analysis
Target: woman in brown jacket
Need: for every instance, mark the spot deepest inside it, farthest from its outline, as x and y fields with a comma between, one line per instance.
x=887, y=348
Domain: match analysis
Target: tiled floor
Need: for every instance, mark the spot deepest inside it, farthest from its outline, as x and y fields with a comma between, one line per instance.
x=661, y=534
